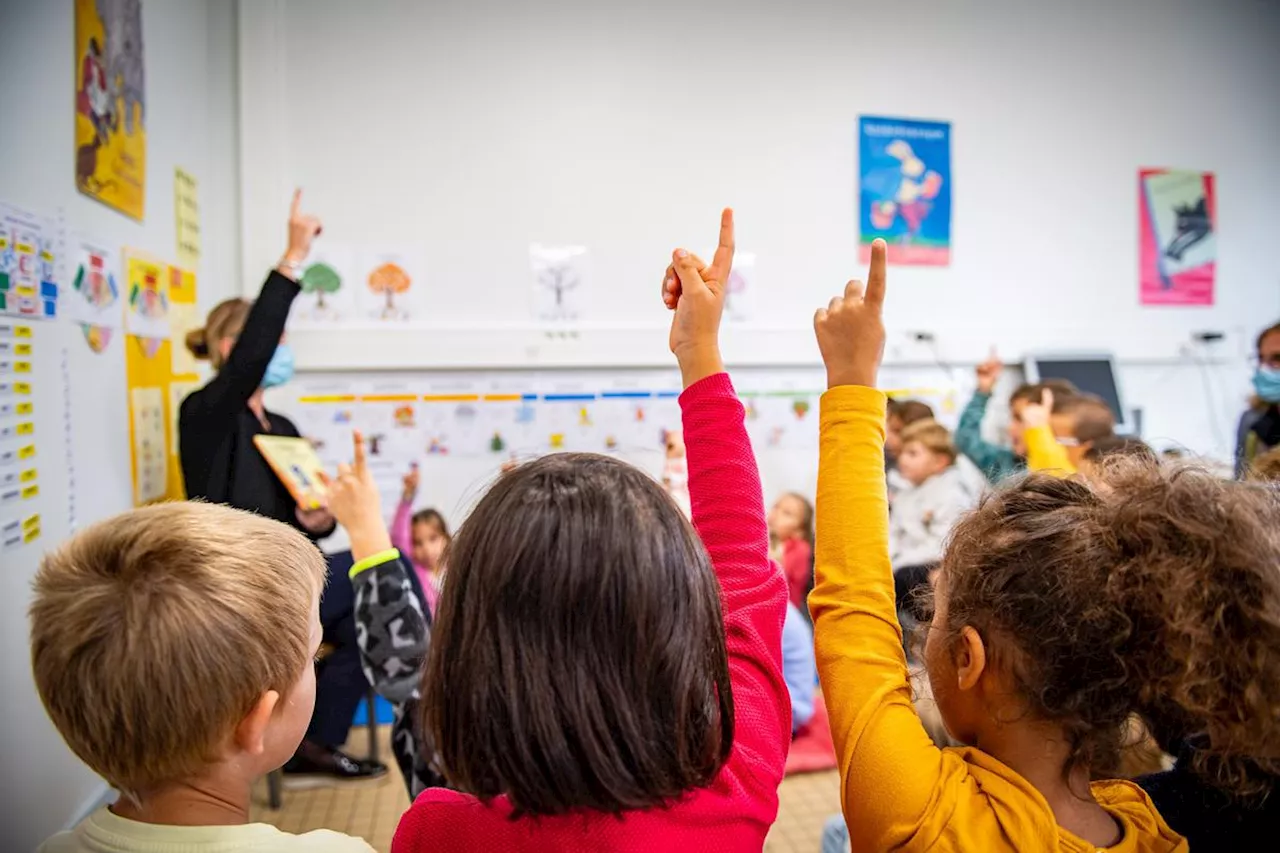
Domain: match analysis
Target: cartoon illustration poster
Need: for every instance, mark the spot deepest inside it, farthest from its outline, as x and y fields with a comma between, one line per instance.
x=146, y=298
x=904, y=170
x=1178, y=251
x=93, y=298
x=111, y=136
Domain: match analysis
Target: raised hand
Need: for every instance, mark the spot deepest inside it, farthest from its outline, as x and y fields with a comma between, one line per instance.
x=850, y=329
x=410, y=482
x=355, y=503
x=303, y=229
x=695, y=292
x=989, y=373
x=1037, y=414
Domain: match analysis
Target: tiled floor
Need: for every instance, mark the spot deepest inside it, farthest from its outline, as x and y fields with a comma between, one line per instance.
x=372, y=809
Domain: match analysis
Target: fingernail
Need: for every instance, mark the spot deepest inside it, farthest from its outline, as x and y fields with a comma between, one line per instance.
x=681, y=253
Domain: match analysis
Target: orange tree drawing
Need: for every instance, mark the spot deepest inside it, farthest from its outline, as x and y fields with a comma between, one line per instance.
x=389, y=279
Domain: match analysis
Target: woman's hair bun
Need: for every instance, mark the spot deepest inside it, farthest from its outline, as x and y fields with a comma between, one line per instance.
x=198, y=343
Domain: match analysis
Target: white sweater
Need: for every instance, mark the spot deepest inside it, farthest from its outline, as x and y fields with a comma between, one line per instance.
x=923, y=515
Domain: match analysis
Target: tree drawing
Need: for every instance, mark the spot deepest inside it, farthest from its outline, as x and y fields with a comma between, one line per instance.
x=559, y=279
x=320, y=278
x=389, y=279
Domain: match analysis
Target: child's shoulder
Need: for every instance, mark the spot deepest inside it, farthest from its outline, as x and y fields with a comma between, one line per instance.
x=105, y=830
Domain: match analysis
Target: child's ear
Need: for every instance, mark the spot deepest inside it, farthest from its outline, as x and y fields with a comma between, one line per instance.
x=251, y=733
x=971, y=658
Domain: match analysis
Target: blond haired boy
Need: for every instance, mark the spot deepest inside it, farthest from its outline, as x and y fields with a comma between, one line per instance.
x=936, y=495
x=173, y=649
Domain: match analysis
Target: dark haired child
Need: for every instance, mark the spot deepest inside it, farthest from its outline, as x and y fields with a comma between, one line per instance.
x=995, y=461
x=791, y=545
x=421, y=537
x=603, y=675
x=1029, y=653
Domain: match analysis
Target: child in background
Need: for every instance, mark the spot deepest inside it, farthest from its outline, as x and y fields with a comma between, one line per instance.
x=791, y=545
x=1080, y=420
x=422, y=535
x=173, y=649
x=798, y=668
x=934, y=499
x=997, y=462
x=1056, y=617
x=594, y=649
x=902, y=414
x=1101, y=450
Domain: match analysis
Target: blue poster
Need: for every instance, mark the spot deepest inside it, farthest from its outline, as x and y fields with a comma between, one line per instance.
x=904, y=194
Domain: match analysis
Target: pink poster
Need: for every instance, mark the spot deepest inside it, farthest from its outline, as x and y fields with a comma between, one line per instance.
x=1178, y=251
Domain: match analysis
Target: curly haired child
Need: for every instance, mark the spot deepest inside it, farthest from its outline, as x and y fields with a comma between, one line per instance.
x=1057, y=617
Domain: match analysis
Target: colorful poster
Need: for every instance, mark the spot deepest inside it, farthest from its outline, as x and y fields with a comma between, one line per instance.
x=111, y=136
x=147, y=297
x=390, y=284
x=186, y=213
x=1178, y=249
x=29, y=250
x=329, y=283
x=93, y=297
x=904, y=172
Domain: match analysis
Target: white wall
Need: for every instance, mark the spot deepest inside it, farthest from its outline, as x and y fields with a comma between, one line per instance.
x=191, y=122
x=472, y=127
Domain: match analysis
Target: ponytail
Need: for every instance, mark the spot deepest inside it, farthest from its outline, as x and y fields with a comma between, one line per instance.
x=226, y=320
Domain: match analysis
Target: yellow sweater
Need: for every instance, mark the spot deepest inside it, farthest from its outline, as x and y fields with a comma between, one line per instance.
x=1046, y=454
x=898, y=790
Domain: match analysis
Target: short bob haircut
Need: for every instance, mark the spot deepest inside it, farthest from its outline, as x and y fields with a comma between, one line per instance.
x=578, y=661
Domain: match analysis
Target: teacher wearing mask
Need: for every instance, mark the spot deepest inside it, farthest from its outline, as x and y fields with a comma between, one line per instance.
x=1259, y=429
x=220, y=463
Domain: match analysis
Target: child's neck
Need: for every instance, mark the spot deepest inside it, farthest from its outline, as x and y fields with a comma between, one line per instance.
x=1037, y=753
x=212, y=801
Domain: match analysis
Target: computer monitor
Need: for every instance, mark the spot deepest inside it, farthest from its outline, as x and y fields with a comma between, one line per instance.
x=1093, y=373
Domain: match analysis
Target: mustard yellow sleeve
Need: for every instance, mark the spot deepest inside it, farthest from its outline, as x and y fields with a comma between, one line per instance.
x=891, y=774
x=1045, y=454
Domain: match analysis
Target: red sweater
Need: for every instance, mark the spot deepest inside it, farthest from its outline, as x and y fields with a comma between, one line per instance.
x=735, y=812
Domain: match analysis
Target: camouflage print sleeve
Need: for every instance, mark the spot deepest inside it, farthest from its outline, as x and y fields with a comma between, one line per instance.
x=391, y=630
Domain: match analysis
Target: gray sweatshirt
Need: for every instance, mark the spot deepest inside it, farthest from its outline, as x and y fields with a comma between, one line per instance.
x=923, y=515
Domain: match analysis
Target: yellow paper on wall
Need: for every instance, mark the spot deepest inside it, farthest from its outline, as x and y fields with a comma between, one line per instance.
x=186, y=212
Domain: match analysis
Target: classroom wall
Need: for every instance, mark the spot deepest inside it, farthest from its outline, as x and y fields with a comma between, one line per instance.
x=191, y=122
x=470, y=128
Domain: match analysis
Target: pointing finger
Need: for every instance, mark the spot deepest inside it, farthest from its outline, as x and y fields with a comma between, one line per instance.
x=875, y=275
x=297, y=202
x=722, y=262
x=357, y=439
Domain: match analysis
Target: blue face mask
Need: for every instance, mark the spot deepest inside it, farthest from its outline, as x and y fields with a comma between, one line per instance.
x=280, y=368
x=1266, y=383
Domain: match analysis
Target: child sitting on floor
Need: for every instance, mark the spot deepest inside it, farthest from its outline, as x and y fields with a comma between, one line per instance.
x=1060, y=612
x=421, y=536
x=933, y=500
x=791, y=545
x=593, y=649
x=173, y=649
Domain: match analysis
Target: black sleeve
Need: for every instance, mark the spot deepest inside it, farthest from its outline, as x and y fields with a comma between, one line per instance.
x=241, y=374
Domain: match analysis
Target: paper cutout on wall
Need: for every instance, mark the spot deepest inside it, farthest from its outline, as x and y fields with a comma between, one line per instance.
x=29, y=246
x=560, y=279
x=328, y=287
x=147, y=297
x=97, y=337
x=93, y=299
x=390, y=285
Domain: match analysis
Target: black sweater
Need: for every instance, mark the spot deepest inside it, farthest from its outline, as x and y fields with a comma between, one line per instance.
x=220, y=463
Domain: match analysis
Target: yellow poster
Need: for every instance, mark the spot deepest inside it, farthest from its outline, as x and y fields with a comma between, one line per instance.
x=186, y=212
x=155, y=382
x=111, y=136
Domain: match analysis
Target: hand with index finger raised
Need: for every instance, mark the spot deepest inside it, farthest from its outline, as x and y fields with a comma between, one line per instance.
x=850, y=330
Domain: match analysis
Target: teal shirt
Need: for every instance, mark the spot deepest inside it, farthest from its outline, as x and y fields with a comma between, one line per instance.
x=994, y=461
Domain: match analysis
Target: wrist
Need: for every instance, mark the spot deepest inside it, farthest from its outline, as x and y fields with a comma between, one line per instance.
x=698, y=361
x=850, y=376
x=368, y=539
x=290, y=266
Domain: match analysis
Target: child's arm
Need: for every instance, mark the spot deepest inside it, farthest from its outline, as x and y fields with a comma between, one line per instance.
x=391, y=629
x=890, y=771
x=402, y=524
x=728, y=513
x=994, y=461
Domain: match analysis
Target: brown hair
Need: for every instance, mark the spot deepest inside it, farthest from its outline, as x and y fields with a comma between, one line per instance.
x=933, y=436
x=155, y=632
x=433, y=517
x=910, y=411
x=1092, y=418
x=1266, y=468
x=1109, y=446
x=226, y=320
x=578, y=660
x=1263, y=335
x=1158, y=593
x=1034, y=392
